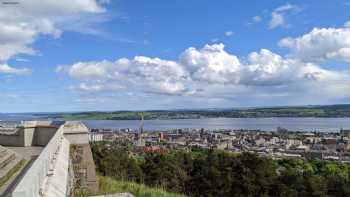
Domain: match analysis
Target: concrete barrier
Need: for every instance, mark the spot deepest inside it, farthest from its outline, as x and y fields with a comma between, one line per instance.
x=12, y=138
x=52, y=173
x=31, y=133
x=34, y=181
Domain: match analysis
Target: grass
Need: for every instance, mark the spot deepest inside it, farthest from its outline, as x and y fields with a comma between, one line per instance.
x=109, y=186
x=11, y=172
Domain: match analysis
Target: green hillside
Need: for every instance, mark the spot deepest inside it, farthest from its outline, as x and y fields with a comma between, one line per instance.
x=260, y=112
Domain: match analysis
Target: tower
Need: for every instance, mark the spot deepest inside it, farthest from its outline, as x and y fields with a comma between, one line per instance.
x=140, y=141
x=142, y=123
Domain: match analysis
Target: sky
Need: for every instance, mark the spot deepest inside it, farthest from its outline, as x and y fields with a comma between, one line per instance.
x=105, y=55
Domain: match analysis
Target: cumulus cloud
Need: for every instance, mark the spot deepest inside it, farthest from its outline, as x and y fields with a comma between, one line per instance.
x=321, y=44
x=268, y=68
x=30, y=19
x=211, y=64
x=278, y=15
x=152, y=75
x=208, y=71
x=22, y=24
x=4, y=68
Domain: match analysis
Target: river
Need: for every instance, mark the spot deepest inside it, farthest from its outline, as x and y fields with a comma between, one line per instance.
x=266, y=124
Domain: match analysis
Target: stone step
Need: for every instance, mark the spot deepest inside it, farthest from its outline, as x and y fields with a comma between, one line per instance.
x=5, y=170
x=10, y=163
x=4, y=161
x=3, y=152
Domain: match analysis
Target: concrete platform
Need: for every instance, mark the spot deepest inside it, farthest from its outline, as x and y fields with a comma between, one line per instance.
x=27, y=152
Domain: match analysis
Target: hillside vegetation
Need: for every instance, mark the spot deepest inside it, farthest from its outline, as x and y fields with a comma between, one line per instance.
x=303, y=111
x=212, y=173
x=109, y=186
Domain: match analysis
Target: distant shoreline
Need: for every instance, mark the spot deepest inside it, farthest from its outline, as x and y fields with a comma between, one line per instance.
x=327, y=111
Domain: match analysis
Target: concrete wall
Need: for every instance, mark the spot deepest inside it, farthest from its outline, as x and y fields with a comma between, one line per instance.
x=15, y=139
x=83, y=164
x=29, y=136
x=33, y=182
x=78, y=138
x=57, y=183
x=43, y=135
x=49, y=175
x=84, y=167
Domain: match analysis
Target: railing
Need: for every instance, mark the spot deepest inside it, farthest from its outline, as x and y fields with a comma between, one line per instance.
x=33, y=182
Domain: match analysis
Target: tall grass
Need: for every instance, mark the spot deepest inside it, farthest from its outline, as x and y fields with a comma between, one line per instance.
x=109, y=186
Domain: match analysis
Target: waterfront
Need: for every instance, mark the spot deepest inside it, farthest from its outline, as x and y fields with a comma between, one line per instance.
x=266, y=124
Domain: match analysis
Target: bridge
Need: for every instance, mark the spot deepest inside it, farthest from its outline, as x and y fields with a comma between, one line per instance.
x=45, y=159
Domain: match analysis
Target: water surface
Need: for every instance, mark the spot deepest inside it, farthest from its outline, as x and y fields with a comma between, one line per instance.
x=268, y=124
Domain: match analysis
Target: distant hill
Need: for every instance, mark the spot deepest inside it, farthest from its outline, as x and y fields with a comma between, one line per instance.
x=340, y=110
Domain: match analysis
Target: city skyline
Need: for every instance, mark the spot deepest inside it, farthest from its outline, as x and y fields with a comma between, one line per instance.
x=134, y=55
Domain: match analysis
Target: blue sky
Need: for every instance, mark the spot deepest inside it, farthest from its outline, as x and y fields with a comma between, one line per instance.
x=127, y=55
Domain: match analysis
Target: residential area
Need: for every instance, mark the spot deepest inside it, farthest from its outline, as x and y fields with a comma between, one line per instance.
x=281, y=143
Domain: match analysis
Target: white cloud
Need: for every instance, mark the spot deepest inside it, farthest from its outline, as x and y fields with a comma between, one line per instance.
x=278, y=15
x=267, y=68
x=229, y=33
x=257, y=19
x=285, y=8
x=145, y=74
x=321, y=44
x=22, y=24
x=211, y=72
x=211, y=63
x=277, y=19
x=4, y=68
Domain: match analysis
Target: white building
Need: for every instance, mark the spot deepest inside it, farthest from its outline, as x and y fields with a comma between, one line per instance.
x=95, y=137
